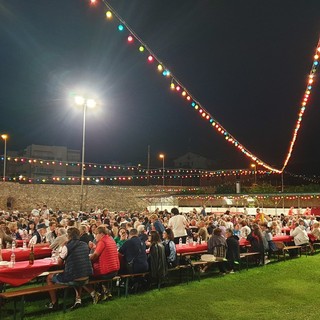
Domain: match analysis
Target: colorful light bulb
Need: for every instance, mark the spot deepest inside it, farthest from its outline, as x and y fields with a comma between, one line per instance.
x=109, y=14
x=120, y=27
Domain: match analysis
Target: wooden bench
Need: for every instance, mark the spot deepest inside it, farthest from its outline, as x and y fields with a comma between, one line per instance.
x=246, y=256
x=20, y=294
x=127, y=277
x=282, y=249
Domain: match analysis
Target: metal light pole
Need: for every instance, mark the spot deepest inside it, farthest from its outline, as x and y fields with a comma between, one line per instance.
x=4, y=137
x=161, y=156
x=85, y=103
x=255, y=172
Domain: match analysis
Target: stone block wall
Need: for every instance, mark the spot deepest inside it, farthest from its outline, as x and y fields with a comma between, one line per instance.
x=27, y=196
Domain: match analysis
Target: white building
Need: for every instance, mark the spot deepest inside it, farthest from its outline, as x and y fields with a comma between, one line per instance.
x=193, y=161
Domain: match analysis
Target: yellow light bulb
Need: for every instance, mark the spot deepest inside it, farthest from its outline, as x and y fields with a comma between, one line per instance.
x=109, y=14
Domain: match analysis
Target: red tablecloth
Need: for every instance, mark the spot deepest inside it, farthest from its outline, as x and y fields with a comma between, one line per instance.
x=19, y=243
x=40, y=252
x=185, y=248
x=285, y=238
x=245, y=242
x=22, y=272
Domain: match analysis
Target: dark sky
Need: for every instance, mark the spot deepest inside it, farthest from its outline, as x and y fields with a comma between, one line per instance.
x=246, y=61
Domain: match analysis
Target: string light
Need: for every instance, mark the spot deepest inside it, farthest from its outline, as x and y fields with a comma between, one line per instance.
x=206, y=115
x=109, y=14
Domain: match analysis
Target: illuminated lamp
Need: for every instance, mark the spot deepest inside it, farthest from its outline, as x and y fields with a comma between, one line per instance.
x=184, y=93
x=141, y=48
x=130, y=39
x=93, y=1
x=207, y=117
x=172, y=86
x=193, y=104
x=109, y=14
x=318, y=49
x=203, y=115
x=160, y=68
x=316, y=57
x=150, y=58
x=188, y=98
x=196, y=107
x=120, y=27
x=213, y=124
x=178, y=88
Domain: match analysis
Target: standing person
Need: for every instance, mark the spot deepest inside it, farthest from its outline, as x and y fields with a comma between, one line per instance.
x=203, y=211
x=233, y=251
x=157, y=224
x=134, y=252
x=178, y=223
x=75, y=257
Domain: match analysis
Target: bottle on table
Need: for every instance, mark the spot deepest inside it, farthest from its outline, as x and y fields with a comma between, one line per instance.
x=31, y=256
x=180, y=242
x=12, y=259
x=24, y=244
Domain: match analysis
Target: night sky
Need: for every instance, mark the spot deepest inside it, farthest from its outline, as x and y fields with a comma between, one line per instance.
x=246, y=61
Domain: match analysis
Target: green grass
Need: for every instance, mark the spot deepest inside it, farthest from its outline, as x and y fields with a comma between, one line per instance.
x=281, y=290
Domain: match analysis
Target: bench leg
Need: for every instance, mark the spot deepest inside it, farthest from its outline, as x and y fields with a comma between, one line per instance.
x=126, y=288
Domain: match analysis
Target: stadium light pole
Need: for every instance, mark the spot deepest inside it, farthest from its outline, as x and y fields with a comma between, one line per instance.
x=4, y=137
x=161, y=156
x=85, y=103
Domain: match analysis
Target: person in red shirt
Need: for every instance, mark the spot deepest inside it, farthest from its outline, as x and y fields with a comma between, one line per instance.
x=105, y=262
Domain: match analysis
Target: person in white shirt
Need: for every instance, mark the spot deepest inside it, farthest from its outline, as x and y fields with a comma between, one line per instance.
x=299, y=234
x=39, y=236
x=244, y=230
x=178, y=224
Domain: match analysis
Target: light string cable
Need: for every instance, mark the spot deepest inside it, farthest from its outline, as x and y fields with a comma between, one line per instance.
x=177, y=85
x=303, y=104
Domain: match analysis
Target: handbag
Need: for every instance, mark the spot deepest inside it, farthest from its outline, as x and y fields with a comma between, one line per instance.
x=130, y=263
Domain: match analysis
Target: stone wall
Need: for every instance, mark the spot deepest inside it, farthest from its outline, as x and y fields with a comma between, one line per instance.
x=66, y=197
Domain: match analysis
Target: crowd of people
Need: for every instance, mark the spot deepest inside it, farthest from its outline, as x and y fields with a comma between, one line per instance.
x=101, y=243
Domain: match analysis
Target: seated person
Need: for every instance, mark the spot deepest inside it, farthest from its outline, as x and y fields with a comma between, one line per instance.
x=60, y=240
x=134, y=252
x=105, y=262
x=40, y=236
x=217, y=246
x=233, y=250
x=170, y=248
x=75, y=257
x=84, y=234
x=121, y=238
x=157, y=257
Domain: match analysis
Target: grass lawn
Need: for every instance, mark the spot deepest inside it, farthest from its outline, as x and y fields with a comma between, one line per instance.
x=280, y=290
